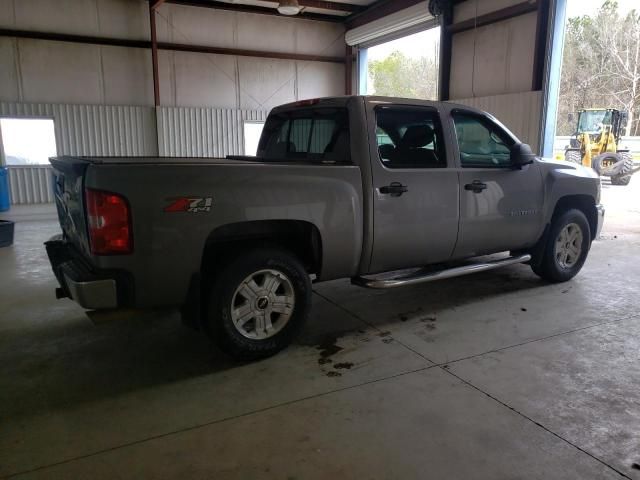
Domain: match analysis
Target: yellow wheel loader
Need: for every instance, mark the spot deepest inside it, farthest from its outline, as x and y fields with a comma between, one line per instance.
x=596, y=144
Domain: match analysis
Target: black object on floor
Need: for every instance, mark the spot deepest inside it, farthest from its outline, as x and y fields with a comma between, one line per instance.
x=6, y=233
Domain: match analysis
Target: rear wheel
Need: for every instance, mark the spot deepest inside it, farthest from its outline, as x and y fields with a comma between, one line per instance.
x=566, y=247
x=573, y=156
x=257, y=303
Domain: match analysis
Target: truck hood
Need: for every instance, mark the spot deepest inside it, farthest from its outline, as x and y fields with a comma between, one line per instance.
x=566, y=168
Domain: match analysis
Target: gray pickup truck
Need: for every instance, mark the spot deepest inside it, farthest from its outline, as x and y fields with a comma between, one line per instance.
x=385, y=191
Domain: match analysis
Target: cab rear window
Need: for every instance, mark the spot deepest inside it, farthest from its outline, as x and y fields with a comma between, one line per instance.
x=313, y=135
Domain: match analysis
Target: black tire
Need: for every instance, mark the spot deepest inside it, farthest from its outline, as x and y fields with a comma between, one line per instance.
x=549, y=267
x=598, y=161
x=624, y=177
x=573, y=156
x=218, y=321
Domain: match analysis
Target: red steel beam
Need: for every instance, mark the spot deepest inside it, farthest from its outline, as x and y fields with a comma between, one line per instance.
x=154, y=55
x=119, y=42
x=495, y=17
x=338, y=7
x=348, y=71
x=237, y=7
x=380, y=9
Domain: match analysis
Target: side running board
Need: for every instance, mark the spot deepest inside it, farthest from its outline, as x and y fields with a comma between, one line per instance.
x=421, y=276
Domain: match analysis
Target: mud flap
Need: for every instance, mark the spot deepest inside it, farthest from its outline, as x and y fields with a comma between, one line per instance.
x=538, y=249
x=191, y=310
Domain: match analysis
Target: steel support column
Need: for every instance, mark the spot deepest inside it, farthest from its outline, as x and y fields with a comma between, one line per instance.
x=348, y=70
x=446, y=42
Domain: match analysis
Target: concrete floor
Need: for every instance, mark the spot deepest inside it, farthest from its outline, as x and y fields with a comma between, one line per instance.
x=494, y=376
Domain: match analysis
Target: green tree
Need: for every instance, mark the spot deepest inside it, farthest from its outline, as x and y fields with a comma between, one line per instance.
x=601, y=66
x=400, y=76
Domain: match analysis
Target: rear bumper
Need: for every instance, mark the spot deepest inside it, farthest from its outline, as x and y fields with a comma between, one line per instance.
x=95, y=290
x=600, y=210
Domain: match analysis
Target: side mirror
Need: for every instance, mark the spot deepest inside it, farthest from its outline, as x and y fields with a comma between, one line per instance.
x=521, y=155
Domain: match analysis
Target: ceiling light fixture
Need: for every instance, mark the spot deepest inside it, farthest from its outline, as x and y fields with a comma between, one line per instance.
x=289, y=7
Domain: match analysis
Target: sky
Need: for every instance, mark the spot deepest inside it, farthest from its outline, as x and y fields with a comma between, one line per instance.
x=577, y=8
x=417, y=45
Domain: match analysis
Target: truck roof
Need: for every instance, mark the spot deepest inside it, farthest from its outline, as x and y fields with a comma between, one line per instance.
x=343, y=100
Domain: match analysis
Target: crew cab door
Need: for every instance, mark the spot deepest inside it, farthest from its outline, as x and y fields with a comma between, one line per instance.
x=415, y=189
x=500, y=206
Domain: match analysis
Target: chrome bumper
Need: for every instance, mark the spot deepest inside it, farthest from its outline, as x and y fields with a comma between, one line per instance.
x=88, y=289
x=92, y=294
x=600, y=210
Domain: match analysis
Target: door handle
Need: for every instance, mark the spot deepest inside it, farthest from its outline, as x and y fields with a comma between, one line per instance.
x=395, y=189
x=476, y=186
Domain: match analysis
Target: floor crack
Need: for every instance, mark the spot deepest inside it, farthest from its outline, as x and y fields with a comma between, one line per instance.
x=540, y=425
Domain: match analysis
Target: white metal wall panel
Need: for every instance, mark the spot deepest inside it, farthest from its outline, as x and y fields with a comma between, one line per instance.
x=203, y=132
x=30, y=184
x=94, y=129
x=520, y=112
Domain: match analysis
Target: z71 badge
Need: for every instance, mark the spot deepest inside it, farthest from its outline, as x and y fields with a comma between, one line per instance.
x=189, y=204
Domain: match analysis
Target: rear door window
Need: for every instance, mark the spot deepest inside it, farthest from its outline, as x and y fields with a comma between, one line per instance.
x=314, y=135
x=410, y=137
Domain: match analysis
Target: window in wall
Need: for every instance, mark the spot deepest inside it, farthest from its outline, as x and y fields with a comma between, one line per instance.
x=410, y=138
x=252, y=132
x=481, y=143
x=28, y=141
x=320, y=134
x=406, y=67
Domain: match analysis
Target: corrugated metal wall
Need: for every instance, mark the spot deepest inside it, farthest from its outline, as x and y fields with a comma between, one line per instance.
x=29, y=185
x=99, y=130
x=203, y=132
x=520, y=112
x=94, y=129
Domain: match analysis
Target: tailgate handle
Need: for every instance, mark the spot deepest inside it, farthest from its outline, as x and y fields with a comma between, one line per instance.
x=395, y=189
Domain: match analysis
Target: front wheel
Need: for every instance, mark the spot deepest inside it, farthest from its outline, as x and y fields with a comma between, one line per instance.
x=624, y=175
x=257, y=303
x=573, y=156
x=566, y=247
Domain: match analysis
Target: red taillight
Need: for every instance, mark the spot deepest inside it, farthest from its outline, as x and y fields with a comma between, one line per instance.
x=108, y=222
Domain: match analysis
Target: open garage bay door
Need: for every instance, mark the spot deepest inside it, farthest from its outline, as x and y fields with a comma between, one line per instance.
x=401, y=23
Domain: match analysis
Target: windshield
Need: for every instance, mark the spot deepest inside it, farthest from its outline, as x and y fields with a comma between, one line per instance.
x=591, y=121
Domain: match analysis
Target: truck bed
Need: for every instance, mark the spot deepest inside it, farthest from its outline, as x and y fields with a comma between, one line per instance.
x=165, y=242
x=156, y=160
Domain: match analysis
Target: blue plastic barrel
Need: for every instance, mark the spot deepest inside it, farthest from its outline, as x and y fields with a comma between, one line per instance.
x=5, y=202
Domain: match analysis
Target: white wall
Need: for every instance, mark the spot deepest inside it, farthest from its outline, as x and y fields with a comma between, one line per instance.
x=520, y=112
x=67, y=73
x=503, y=60
x=492, y=67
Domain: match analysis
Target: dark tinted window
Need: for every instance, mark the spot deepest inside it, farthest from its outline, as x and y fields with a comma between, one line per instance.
x=320, y=134
x=481, y=143
x=410, y=137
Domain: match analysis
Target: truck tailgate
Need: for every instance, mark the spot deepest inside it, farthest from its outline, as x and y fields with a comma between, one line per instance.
x=68, y=188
